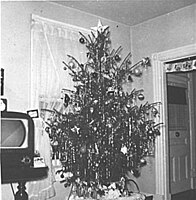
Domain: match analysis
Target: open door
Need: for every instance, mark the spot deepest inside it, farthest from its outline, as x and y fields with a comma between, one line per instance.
x=179, y=132
x=162, y=155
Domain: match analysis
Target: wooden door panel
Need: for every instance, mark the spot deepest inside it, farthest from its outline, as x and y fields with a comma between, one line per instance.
x=179, y=168
x=179, y=174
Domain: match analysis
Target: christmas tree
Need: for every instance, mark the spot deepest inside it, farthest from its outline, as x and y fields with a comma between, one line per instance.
x=107, y=133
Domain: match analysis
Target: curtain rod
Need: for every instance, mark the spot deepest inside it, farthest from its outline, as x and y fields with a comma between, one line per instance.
x=189, y=58
x=69, y=26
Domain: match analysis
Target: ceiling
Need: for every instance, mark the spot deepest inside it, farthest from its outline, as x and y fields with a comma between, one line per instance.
x=129, y=12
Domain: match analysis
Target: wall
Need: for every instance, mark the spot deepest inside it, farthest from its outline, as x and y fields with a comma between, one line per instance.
x=16, y=46
x=163, y=33
x=166, y=32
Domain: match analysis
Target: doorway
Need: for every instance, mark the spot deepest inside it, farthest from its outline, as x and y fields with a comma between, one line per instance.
x=162, y=160
x=178, y=100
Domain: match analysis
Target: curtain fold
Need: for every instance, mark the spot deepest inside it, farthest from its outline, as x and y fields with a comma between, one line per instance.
x=51, y=43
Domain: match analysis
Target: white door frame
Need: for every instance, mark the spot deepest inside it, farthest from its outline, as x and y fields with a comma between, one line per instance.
x=159, y=95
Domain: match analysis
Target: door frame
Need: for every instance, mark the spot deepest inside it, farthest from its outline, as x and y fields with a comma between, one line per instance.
x=159, y=95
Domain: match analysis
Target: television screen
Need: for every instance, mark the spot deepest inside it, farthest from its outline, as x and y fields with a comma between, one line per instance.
x=17, y=139
x=14, y=133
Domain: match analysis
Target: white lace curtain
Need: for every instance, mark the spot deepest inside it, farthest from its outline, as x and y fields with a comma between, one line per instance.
x=51, y=42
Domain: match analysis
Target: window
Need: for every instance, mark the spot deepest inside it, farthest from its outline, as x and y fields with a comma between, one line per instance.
x=51, y=42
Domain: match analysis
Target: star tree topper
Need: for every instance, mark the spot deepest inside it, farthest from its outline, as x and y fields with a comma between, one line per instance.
x=99, y=28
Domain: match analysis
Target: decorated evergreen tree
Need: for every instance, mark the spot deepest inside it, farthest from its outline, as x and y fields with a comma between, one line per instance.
x=107, y=133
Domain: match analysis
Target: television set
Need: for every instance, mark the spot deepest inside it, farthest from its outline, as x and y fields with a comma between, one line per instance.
x=17, y=140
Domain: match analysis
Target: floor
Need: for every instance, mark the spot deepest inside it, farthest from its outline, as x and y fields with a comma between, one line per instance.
x=187, y=195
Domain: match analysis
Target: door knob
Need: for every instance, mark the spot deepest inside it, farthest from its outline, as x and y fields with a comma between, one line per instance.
x=177, y=134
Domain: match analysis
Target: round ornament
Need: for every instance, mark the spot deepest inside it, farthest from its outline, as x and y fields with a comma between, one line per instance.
x=143, y=161
x=81, y=73
x=47, y=129
x=141, y=97
x=117, y=58
x=81, y=40
x=95, y=101
x=72, y=65
x=150, y=132
x=62, y=176
x=137, y=72
x=129, y=62
x=54, y=143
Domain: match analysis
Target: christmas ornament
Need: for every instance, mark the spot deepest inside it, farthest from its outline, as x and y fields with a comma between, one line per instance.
x=62, y=176
x=124, y=149
x=135, y=172
x=141, y=97
x=143, y=161
x=130, y=78
x=72, y=65
x=128, y=62
x=137, y=72
x=47, y=129
x=117, y=58
x=146, y=61
x=81, y=40
x=66, y=100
